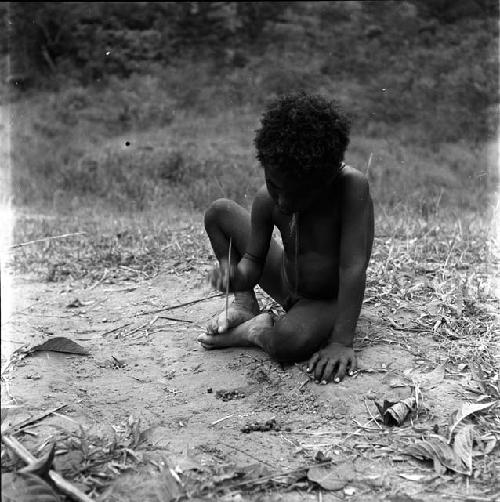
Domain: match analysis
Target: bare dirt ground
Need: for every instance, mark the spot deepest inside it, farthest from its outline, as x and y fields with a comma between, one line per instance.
x=147, y=380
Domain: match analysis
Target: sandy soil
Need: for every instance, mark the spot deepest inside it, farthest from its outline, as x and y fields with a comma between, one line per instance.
x=151, y=368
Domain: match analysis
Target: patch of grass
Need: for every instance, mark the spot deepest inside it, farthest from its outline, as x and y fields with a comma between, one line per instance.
x=191, y=159
x=121, y=246
x=439, y=267
x=436, y=276
x=91, y=461
x=195, y=120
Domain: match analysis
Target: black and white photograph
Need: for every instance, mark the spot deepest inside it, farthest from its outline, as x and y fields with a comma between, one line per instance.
x=250, y=251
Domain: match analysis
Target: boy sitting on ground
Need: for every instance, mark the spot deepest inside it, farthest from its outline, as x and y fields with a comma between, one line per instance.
x=324, y=213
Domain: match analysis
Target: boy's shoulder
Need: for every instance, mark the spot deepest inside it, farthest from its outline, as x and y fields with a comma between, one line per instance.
x=351, y=174
x=354, y=190
x=262, y=196
x=353, y=182
x=263, y=200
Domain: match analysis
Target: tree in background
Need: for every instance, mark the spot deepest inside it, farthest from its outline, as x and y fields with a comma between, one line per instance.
x=437, y=59
x=94, y=39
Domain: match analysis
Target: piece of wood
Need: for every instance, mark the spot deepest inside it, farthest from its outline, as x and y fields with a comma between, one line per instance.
x=65, y=486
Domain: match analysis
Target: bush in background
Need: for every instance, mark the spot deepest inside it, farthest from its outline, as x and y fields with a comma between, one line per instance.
x=94, y=74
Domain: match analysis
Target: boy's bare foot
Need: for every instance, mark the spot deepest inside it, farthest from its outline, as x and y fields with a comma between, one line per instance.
x=243, y=308
x=243, y=335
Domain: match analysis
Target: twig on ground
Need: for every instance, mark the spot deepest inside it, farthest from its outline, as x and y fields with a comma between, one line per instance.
x=134, y=270
x=371, y=415
x=104, y=275
x=174, y=319
x=316, y=433
x=138, y=328
x=302, y=385
x=364, y=427
x=38, y=418
x=9, y=340
x=66, y=418
x=469, y=497
x=171, y=307
x=221, y=419
x=319, y=445
x=246, y=453
x=116, y=329
x=63, y=236
x=357, y=431
x=63, y=485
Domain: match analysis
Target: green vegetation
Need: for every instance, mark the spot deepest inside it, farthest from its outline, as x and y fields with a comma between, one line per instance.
x=184, y=84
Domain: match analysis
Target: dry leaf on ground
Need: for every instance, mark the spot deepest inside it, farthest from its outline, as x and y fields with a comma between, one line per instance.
x=440, y=452
x=463, y=445
x=395, y=413
x=332, y=477
x=466, y=410
x=62, y=344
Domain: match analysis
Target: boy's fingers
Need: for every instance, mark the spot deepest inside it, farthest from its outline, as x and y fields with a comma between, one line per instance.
x=354, y=366
x=328, y=371
x=318, y=371
x=312, y=362
x=341, y=371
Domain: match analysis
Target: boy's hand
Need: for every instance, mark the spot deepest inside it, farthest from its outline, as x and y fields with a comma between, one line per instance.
x=219, y=274
x=332, y=363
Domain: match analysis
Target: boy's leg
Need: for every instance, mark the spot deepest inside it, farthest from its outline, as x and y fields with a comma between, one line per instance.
x=296, y=336
x=225, y=219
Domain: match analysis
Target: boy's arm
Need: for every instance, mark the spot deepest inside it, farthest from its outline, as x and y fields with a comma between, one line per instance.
x=252, y=262
x=355, y=248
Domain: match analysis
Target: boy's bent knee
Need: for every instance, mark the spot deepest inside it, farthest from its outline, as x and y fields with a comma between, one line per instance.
x=216, y=209
x=290, y=344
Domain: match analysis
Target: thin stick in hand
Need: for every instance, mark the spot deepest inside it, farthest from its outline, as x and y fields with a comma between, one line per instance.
x=227, y=276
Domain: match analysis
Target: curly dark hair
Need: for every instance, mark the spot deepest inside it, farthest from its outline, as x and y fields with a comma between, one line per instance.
x=306, y=135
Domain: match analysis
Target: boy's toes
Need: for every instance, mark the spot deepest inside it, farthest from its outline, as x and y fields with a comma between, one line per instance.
x=223, y=325
x=213, y=326
x=206, y=341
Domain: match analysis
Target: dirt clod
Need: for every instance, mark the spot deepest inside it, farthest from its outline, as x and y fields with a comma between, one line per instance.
x=268, y=425
x=229, y=395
